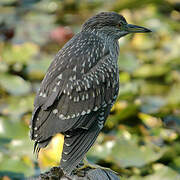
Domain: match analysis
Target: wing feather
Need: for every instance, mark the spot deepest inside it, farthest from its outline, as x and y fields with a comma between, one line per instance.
x=75, y=85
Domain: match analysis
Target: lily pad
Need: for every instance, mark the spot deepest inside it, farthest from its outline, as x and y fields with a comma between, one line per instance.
x=162, y=172
x=13, y=129
x=151, y=70
x=128, y=62
x=127, y=153
x=16, y=106
x=37, y=69
x=152, y=104
x=174, y=95
x=128, y=90
x=19, y=53
x=14, y=84
x=15, y=164
x=172, y=122
x=101, y=151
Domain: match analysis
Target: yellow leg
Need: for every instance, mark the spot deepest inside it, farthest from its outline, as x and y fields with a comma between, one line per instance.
x=86, y=165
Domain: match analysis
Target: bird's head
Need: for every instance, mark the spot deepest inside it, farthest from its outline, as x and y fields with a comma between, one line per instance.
x=112, y=24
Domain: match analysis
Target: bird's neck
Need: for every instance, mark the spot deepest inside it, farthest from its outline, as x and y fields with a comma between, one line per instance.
x=113, y=47
x=110, y=42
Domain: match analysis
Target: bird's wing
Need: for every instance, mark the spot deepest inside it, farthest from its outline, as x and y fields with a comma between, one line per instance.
x=81, y=79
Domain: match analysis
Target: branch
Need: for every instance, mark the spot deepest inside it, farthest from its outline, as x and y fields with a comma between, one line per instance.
x=56, y=173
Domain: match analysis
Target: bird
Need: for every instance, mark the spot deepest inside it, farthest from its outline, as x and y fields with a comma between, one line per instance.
x=80, y=87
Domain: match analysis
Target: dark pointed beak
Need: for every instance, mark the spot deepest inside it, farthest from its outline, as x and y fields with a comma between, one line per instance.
x=136, y=29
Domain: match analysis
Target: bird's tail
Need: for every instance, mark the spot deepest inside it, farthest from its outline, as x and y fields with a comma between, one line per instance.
x=76, y=145
x=39, y=145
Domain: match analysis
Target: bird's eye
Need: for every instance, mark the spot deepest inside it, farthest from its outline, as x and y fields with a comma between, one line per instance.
x=119, y=24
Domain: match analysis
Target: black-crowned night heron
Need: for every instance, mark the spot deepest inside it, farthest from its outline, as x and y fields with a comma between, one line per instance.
x=80, y=87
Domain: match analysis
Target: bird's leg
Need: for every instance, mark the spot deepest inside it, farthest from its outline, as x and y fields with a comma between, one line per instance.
x=84, y=166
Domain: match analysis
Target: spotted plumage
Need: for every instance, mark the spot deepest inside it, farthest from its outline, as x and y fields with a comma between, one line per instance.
x=79, y=89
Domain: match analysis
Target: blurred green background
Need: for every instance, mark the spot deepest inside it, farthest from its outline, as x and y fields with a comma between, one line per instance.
x=141, y=137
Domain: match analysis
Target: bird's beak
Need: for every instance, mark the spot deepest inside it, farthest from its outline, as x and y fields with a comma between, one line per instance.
x=136, y=29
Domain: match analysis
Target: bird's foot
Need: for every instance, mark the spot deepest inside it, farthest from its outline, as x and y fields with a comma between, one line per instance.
x=85, y=166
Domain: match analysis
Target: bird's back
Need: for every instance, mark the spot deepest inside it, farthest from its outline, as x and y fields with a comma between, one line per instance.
x=75, y=97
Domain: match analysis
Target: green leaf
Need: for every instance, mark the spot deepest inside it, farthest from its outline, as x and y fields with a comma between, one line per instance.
x=174, y=95
x=14, y=84
x=152, y=104
x=19, y=53
x=127, y=153
x=15, y=164
x=151, y=70
x=13, y=129
x=16, y=106
x=128, y=90
x=129, y=111
x=161, y=172
x=128, y=62
x=37, y=69
x=101, y=151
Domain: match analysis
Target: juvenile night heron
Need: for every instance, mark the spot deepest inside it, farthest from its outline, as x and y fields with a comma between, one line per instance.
x=80, y=87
